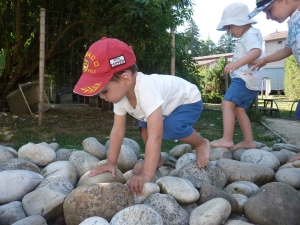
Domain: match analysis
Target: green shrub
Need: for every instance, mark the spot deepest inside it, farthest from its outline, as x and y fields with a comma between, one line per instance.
x=212, y=97
x=292, y=78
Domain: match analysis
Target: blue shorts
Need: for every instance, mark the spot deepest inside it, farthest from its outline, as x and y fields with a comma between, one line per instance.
x=239, y=93
x=179, y=124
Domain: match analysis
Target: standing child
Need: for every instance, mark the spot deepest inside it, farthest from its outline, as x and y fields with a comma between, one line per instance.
x=166, y=107
x=280, y=10
x=244, y=85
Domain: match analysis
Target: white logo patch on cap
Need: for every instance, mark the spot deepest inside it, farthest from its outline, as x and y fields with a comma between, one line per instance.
x=120, y=60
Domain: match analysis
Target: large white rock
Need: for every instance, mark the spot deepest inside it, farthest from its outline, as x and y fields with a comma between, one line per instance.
x=289, y=176
x=181, y=189
x=260, y=157
x=137, y=214
x=95, y=220
x=83, y=161
x=15, y=184
x=241, y=187
x=63, y=168
x=127, y=159
x=148, y=189
x=19, y=164
x=180, y=150
x=213, y=212
x=94, y=147
x=40, y=154
x=44, y=201
x=129, y=142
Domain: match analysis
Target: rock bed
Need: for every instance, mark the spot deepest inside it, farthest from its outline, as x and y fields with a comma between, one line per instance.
x=45, y=184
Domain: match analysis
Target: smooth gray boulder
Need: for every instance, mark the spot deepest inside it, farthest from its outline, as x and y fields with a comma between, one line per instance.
x=16, y=184
x=274, y=204
x=11, y=212
x=243, y=171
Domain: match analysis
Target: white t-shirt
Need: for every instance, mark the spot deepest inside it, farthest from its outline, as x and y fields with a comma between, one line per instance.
x=249, y=40
x=293, y=38
x=156, y=90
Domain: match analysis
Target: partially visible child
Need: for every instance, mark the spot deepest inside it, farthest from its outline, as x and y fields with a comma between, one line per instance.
x=244, y=85
x=166, y=107
x=280, y=10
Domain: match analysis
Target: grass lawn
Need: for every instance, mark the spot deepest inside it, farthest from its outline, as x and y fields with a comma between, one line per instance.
x=69, y=124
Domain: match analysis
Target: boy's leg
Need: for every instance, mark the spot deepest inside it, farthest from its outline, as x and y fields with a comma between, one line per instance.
x=179, y=126
x=228, y=126
x=201, y=146
x=139, y=166
x=245, y=125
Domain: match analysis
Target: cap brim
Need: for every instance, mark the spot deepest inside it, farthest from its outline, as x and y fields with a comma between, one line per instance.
x=259, y=9
x=256, y=11
x=90, y=85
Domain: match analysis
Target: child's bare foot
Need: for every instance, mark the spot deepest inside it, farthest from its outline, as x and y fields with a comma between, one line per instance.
x=295, y=157
x=139, y=166
x=202, y=153
x=222, y=143
x=245, y=145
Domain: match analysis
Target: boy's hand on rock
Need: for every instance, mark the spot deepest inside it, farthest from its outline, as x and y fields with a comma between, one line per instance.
x=107, y=167
x=136, y=183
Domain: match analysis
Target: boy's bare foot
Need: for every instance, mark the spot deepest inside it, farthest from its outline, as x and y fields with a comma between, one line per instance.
x=202, y=153
x=139, y=166
x=222, y=143
x=295, y=157
x=244, y=145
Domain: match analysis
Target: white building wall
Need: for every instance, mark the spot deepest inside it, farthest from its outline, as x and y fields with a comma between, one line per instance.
x=275, y=70
x=272, y=47
x=276, y=74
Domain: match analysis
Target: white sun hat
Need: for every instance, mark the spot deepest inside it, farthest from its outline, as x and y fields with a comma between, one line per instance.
x=235, y=14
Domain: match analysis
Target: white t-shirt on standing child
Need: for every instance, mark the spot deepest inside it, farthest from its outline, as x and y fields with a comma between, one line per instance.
x=248, y=41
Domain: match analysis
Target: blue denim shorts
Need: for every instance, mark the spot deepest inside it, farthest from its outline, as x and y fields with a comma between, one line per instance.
x=239, y=93
x=179, y=124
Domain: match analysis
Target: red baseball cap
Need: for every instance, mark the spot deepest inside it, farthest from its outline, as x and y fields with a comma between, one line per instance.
x=103, y=59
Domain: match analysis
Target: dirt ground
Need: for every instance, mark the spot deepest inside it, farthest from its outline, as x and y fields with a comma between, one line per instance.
x=287, y=129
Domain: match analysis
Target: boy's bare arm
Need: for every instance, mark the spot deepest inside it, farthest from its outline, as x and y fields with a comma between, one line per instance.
x=153, y=144
x=116, y=138
x=250, y=57
x=152, y=153
x=279, y=55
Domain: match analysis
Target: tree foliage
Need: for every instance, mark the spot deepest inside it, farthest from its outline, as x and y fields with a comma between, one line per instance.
x=207, y=47
x=74, y=25
x=226, y=44
x=192, y=35
x=292, y=78
x=213, y=82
